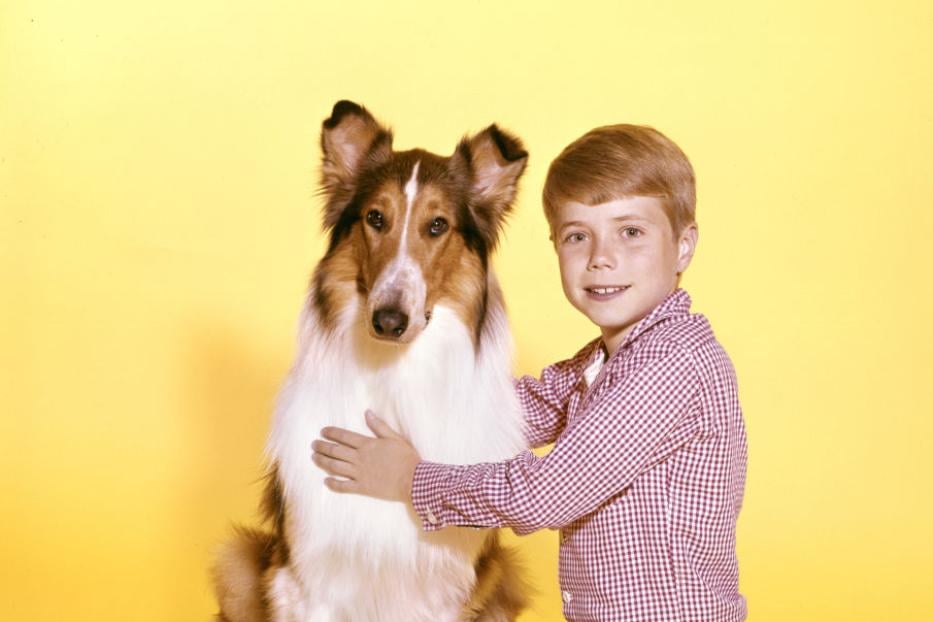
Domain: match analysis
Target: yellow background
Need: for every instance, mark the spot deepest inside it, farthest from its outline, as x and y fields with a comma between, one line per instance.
x=158, y=224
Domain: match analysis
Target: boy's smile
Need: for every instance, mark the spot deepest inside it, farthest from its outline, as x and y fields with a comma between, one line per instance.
x=605, y=293
x=619, y=260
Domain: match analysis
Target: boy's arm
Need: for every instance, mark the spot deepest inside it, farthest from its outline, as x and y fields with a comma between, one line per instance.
x=544, y=401
x=598, y=456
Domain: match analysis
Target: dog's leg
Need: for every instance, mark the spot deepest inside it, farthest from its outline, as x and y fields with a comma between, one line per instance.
x=500, y=593
x=238, y=573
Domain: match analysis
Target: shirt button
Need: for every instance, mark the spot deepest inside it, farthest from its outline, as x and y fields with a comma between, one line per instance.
x=431, y=518
x=563, y=536
x=567, y=596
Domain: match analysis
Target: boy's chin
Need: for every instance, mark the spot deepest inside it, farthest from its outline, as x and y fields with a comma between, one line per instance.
x=610, y=323
x=612, y=319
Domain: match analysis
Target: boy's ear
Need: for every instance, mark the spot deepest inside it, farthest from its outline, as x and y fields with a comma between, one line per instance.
x=494, y=161
x=686, y=246
x=351, y=140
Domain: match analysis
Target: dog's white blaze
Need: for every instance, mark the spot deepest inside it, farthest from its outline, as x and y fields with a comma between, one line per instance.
x=455, y=407
x=402, y=260
x=411, y=191
x=403, y=276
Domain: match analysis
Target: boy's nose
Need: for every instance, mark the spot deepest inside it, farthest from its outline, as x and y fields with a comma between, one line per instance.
x=598, y=263
x=600, y=257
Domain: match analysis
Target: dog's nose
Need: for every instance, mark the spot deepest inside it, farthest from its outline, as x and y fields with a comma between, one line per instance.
x=390, y=322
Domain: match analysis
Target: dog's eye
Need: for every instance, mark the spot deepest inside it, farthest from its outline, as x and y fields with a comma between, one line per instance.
x=438, y=226
x=374, y=219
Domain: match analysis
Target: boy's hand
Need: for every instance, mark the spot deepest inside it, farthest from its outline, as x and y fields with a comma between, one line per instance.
x=380, y=467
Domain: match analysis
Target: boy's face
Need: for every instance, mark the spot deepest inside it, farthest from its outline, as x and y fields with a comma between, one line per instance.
x=619, y=260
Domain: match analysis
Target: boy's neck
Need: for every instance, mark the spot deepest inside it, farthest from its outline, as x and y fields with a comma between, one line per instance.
x=612, y=340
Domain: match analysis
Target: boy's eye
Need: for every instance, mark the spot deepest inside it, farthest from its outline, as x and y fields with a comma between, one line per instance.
x=575, y=237
x=631, y=232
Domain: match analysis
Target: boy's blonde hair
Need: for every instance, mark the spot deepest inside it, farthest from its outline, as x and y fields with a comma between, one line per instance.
x=621, y=161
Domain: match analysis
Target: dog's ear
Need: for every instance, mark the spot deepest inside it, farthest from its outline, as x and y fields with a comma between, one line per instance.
x=351, y=140
x=494, y=160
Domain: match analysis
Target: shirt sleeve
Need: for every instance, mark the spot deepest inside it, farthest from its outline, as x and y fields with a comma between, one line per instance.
x=544, y=400
x=595, y=458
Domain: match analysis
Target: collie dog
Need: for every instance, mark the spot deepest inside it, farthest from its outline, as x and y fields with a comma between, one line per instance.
x=403, y=316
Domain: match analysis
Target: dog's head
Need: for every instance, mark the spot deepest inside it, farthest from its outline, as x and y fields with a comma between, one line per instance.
x=418, y=227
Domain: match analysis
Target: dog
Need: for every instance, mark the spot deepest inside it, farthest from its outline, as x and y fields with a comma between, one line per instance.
x=404, y=316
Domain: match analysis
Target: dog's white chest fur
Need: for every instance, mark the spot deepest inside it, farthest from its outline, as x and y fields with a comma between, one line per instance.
x=455, y=406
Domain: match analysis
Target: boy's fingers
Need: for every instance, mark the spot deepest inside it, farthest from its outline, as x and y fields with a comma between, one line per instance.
x=338, y=485
x=380, y=427
x=334, y=467
x=334, y=450
x=344, y=437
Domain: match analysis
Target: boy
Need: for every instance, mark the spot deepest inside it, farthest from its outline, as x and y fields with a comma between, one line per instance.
x=646, y=478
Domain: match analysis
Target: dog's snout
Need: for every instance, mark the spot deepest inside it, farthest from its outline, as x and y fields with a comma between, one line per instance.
x=390, y=322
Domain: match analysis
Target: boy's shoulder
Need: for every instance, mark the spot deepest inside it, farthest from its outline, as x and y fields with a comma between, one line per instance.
x=671, y=329
x=673, y=324
x=691, y=334
x=690, y=331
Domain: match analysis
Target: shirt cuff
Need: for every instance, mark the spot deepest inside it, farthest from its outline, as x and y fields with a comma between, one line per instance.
x=430, y=482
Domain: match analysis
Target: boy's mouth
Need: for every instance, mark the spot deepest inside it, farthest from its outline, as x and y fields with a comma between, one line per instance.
x=604, y=292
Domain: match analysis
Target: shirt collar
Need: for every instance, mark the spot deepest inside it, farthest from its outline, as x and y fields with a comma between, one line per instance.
x=676, y=304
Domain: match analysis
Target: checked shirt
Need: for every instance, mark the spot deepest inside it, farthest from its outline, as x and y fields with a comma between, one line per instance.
x=645, y=480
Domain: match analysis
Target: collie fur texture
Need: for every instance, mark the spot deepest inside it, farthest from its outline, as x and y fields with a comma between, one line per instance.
x=402, y=316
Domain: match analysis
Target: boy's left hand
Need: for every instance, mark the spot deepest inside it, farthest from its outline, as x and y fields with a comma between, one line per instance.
x=381, y=467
